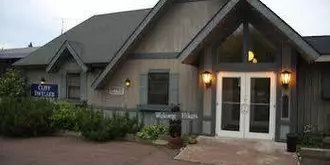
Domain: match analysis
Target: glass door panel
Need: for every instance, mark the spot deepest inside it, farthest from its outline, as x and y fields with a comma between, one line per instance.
x=231, y=104
x=259, y=105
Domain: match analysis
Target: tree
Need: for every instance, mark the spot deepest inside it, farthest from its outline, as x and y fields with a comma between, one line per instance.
x=13, y=85
x=30, y=45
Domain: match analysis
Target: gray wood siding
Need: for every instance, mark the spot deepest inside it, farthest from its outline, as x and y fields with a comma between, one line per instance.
x=312, y=109
x=178, y=26
x=132, y=69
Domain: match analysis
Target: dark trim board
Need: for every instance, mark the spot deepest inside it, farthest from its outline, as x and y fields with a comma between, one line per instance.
x=170, y=55
x=213, y=107
x=239, y=67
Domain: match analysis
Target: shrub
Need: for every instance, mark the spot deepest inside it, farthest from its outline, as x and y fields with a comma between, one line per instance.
x=12, y=84
x=152, y=132
x=26, y=117
x=65, y=117
x=309, y=138
x=94, y=126
x=123, y=124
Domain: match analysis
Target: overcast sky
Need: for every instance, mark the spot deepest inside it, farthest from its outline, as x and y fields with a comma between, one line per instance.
x=39, y=21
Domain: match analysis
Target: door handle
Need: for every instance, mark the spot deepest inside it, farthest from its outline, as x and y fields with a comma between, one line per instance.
x=244, y=108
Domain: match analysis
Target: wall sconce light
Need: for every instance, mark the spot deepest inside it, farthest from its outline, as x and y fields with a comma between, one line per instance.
x=42, y=81
x=207, y=78
x=128, y=83
x=285, y=78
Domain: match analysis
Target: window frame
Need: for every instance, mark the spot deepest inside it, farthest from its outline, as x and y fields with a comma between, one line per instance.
x=245, y=65
x=68, y=86
x=149, y=102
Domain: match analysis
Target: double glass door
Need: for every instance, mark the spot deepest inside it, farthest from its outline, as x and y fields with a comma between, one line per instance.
x=246, y=105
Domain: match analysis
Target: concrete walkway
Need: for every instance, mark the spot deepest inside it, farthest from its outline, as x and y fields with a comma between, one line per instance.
x=225, y=151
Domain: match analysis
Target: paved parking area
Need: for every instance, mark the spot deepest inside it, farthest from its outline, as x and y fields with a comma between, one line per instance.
x=72, y=151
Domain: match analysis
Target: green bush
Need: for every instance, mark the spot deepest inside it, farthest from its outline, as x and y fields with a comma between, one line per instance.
x=13, y=85
x=152, y=132
x=314, y=140
x=66, y=115
x=94, y=126
x=310, y=137
x=123, y=124
x=26, y=117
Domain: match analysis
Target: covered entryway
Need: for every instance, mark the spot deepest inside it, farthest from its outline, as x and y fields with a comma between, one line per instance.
x=247, y=49
x=246, y=104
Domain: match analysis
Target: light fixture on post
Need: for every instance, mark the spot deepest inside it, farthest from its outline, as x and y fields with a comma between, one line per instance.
x=42, y=81
x=128, y=83
x=207, y=78
x=285, y=79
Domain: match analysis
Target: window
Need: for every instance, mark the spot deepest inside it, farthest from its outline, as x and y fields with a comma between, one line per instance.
x=158, y=88
x=73, y=86
x=259, y=48
x=232, y=48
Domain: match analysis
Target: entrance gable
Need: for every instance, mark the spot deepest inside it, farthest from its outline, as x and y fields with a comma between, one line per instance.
x=225, y=15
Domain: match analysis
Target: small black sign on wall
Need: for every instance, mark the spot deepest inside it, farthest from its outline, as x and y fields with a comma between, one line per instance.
x=325, y=85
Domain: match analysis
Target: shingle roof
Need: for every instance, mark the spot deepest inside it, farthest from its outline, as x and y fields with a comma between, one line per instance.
x=320, y=43
x=96, y=40
x=16, y=52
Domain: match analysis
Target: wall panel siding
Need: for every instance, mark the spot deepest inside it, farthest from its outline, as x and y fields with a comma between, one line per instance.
x=178, y=26
x=312, y=109
x=132, y=69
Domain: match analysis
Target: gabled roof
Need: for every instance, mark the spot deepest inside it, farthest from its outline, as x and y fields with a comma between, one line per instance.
x=320, y=43
x=98, y=38
x=309, y=52
x=107, y=38
x=16, y=53
x=73, y=52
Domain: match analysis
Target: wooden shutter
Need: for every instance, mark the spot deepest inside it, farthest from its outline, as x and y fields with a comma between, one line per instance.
x=83, y=86
x=63, y=85
x=143, y=89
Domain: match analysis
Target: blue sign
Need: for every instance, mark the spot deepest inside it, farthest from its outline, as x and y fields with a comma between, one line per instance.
x=44, y=90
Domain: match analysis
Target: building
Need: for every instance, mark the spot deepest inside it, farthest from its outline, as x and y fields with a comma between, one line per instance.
x=235, y=63
x=9, y=56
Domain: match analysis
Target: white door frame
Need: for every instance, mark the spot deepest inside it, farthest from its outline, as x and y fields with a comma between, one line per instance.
x=219, y=131
x=244, y=123
x=272, y=105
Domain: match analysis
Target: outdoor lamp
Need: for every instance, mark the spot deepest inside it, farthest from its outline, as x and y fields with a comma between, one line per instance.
x=128, y=83
x=207, y=78
x=42, y=81
x=285, y=78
